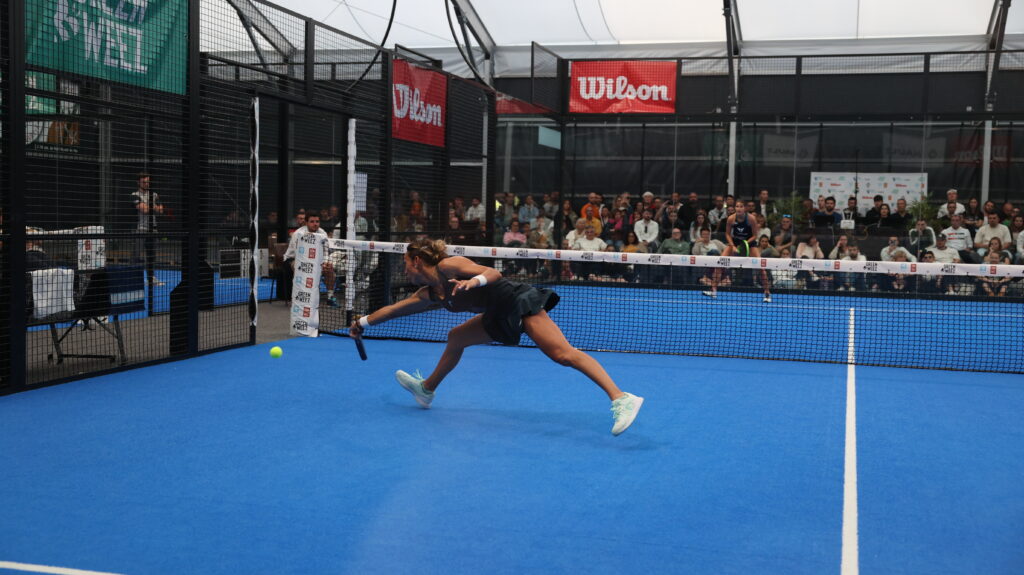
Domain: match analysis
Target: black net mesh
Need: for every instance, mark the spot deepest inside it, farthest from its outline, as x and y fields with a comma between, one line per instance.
x=893, y=313
x=546, y=86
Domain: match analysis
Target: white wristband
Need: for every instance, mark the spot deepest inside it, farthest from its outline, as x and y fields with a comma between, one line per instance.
x=480, y=278
x=365, y=323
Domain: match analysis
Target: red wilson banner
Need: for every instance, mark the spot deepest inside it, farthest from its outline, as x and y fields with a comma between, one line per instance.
x=628, y=87
x=418, y=102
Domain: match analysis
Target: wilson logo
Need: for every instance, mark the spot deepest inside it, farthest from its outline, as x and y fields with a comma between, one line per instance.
x=619, y=88
x=408, y=103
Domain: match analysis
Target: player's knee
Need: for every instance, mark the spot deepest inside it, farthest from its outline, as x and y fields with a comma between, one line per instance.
x=568, y=357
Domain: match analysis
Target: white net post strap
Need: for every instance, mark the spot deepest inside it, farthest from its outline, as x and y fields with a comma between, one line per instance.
x=350, y=179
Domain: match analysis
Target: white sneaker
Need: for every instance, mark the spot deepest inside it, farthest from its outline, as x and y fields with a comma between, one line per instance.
x=767, y=298
x=710, y=294
x=414, y=385
x=624, y=410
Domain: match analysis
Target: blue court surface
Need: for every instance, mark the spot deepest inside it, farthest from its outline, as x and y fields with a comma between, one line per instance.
x=317, y=462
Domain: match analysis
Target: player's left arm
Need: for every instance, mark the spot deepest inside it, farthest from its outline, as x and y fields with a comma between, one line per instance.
x=464, y=272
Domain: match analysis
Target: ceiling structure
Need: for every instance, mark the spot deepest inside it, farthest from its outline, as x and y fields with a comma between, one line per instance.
x=665, y=28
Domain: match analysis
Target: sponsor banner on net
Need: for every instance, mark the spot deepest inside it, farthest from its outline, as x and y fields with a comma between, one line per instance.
x=710, y=261
x=305, y=315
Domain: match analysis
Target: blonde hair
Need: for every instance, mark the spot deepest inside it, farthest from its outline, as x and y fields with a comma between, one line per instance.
x=428, y=250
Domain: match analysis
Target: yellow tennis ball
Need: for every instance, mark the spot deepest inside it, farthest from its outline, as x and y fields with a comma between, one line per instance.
x=276, y=351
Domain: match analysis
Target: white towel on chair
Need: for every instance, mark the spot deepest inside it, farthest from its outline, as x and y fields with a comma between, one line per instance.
x=53, y=291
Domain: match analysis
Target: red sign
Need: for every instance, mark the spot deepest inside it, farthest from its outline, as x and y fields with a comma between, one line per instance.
x=628, y=87
x=418, y=102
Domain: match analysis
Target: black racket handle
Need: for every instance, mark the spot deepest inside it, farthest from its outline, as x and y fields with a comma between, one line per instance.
x=360, y=348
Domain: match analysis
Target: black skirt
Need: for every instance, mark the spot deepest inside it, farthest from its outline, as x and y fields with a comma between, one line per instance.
x=508, y=303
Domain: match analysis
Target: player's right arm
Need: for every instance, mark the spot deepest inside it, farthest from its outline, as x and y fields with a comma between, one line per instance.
x=415, y=303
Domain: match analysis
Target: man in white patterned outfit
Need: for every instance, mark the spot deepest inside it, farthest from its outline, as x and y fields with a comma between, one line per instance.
x=313, y=227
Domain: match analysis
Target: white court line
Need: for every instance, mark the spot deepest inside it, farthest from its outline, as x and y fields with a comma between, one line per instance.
x=850, y=562
x=47, y=569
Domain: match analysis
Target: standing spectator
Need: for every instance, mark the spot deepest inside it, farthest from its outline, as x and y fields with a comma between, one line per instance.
x=717, y=212
x=688, y=211
x=528, y=211
x=875, y=213
x=902, y=219
x=852, y=281
x=765, y=206
x=959, y=239
x=810, y=249
x=894, y=248
x=147, y=206
x=974, y=217
x=476, y=211
x=994, y=229
x=647, y=230
x=922, y=237
x=951, y=198
x=550, y=206
x=784, y=236
x=567, y=216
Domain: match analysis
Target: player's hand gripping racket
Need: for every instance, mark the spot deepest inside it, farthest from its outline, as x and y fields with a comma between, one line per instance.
x=355, y=331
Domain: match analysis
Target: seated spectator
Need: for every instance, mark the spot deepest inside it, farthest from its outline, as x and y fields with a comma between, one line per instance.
x=591, y=243
x=841, y=249
x=853, y=281
x=540, y=234
x=675, y=244
x=890, y=251
x=810, y=249
x=476, y=211
x=514, y=238
x=922, y=237
x=568, y=217
x=885, y=222
x=647, y=230
x=951, y=205
x=874, y=214
x=806, y=215
x=1008, y=212
x=574, y=234
x=785, y=236
x=974, y=217
x=762, y=227
x=765, y=247
x=902, y=219
x=942, y=253
x=959, y=238
x=705, y=246
x=1016, y=227
x=929, y=283
x=947, y=220
x=992, y=229
x=700, y=221
x=997, y=245
x=528, y=210
x=784, y=278
x=828, y=217
x=1020, y=248
x=632, y=244
x=896, y=282
x=455, y=235
x=993, y=286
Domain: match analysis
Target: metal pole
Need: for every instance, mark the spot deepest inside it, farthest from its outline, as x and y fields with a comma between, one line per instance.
x=732, y=159
x=986, y=163
x=14, y=157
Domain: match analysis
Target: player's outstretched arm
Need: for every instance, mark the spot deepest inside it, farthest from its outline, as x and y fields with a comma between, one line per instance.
x=416, y=303
x=467, y=274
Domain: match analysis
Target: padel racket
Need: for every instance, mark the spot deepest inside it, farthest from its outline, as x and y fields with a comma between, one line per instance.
x=360, y=348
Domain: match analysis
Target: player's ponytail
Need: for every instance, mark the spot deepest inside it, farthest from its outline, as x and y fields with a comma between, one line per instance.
x=428, y=250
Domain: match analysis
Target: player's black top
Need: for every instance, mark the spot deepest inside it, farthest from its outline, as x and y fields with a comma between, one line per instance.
x=742, y=231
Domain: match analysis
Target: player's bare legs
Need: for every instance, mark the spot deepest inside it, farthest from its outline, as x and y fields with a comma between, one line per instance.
x=459, y=338
x=550, y=339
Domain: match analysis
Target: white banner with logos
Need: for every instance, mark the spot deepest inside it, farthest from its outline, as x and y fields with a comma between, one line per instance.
x=892, y=187
x=703, y=261
x=310, y=250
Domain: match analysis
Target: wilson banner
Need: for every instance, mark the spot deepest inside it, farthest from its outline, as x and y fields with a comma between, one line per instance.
x=419, y=98
x=628, y=87
x=138, y=42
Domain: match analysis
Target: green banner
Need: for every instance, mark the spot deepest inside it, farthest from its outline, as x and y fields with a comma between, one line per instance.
x=138, y=42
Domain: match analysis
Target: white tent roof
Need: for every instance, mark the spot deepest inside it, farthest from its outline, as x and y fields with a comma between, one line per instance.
x=651, y=28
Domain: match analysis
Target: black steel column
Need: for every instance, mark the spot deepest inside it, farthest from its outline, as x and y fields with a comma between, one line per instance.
x=387, y=160
x=14, y=210
x=193, y=177
x=284, y=137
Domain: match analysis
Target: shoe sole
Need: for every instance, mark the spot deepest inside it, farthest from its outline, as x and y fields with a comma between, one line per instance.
x=629, y=422
x=423, y=403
